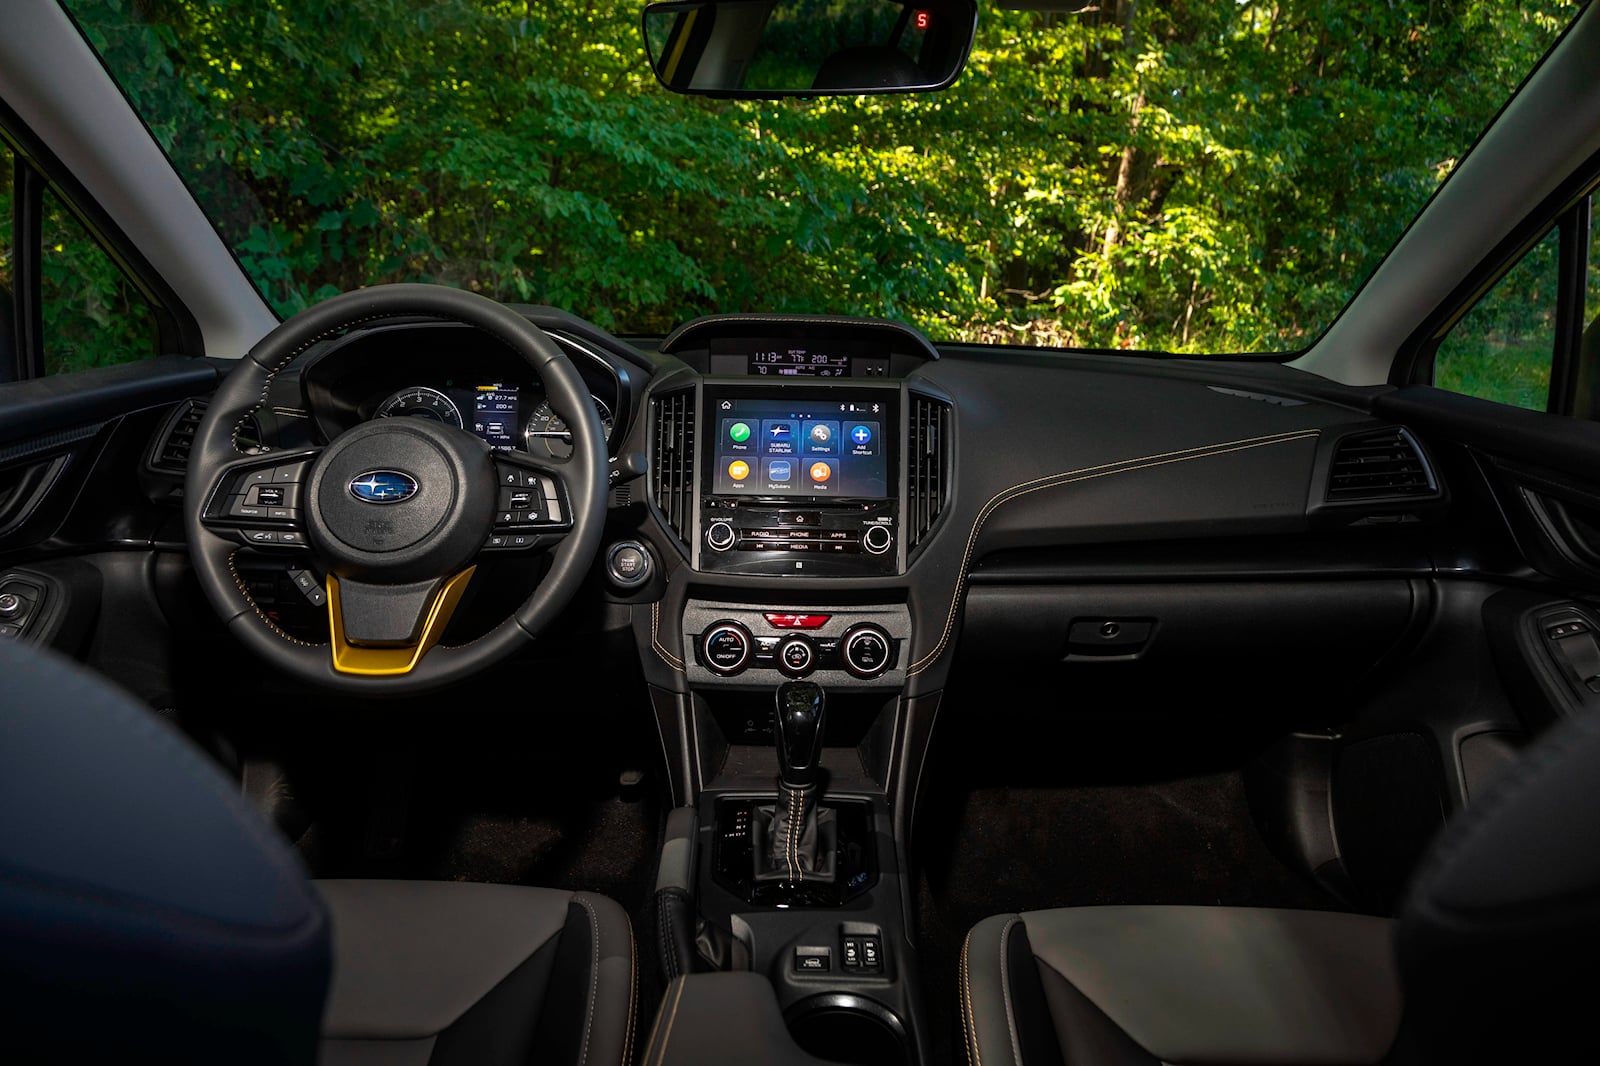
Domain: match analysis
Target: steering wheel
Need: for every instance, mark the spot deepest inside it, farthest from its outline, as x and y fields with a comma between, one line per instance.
x=395, y=511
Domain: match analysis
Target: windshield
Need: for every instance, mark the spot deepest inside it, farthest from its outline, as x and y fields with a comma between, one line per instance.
x=1201, y=177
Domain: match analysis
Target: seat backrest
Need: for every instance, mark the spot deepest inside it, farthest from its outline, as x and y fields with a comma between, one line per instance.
x=146, y=912
x=1499, y=937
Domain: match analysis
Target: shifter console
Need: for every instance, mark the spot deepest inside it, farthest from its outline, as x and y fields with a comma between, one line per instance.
x=794, y=850
x=795, y=840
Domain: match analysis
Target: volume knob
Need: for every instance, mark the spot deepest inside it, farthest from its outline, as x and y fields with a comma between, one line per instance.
x=720, y=536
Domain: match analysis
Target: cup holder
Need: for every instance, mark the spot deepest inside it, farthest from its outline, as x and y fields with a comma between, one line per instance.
x=850, y=1029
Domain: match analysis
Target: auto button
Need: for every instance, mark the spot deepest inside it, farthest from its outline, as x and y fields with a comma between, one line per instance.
x=726, y=648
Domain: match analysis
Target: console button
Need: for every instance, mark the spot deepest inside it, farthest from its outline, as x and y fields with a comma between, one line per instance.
x=812, y=960
x=796, y=657
x=877, y=539
x=727, y=648
x=871, y=958
x=851, y=960
x=799, y=518
x=720, y=536
x=796, y=621
x=866, y=650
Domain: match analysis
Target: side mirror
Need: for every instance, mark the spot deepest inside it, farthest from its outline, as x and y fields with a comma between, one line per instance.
x=774, y=48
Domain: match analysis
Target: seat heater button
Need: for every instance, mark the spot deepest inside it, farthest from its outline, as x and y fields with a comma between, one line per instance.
x=870, y=958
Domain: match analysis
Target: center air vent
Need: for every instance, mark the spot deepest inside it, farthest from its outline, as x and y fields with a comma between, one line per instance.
x=1382, y=465
x=927, y=466
x=672, y=459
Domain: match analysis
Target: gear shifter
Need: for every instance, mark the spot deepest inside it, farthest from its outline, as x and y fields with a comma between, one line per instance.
x=795, y=840
x=799, y=733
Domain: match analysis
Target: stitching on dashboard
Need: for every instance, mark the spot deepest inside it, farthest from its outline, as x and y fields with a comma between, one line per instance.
x=268, y=622
x=1068, y=477
x=655, y=639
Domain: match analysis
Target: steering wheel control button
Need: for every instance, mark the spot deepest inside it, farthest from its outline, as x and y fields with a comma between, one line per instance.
x=261, y=536
x=796, y=657
x=726, y=648
x=866, y=651
x=877, y=539
x=628, y=564
x=291, y=472
x=720, y=536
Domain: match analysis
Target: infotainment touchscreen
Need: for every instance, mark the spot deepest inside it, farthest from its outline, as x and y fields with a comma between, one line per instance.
x=802, y=448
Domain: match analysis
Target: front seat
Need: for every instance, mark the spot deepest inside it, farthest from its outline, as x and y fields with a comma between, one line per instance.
x=1494, y=958
x=148, y=914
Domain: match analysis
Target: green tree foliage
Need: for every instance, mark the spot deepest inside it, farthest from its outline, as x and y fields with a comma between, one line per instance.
x=1194, y=175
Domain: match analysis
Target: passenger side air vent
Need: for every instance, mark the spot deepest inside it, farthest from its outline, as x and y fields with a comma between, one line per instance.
x=927, y=466
x=1383, y=465
x=672, y=459
x=173, y=444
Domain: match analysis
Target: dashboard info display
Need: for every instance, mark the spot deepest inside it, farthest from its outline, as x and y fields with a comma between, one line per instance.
x=801, y=448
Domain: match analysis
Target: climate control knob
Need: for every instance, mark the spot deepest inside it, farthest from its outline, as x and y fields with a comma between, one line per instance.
x=720, y=536
x=865, y=650
x=877, y=539
x=796, y=656
x=726, y=648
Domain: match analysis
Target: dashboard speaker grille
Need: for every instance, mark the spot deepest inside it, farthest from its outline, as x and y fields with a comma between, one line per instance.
x=927, y=466
x=672, y=459
x=1383, y=465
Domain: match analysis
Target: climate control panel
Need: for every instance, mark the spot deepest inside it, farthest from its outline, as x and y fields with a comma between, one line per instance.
x=850, y=646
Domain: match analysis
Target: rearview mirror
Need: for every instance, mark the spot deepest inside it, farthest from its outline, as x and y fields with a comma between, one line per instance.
x=773, y=48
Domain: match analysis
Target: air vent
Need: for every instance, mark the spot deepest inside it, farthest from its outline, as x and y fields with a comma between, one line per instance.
x=1385, y=465
x=171, y=452
x=672, y=459
x=927, y=466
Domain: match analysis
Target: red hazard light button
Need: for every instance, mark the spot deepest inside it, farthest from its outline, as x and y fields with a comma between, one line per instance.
x=796, y=621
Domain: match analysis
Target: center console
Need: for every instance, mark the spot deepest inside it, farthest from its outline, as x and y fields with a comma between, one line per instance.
x=799, y=452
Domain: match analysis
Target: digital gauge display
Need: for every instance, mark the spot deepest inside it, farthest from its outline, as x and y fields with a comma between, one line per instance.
x=494, y=415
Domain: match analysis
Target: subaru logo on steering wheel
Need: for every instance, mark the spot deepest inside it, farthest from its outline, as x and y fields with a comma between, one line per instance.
x=383, y=486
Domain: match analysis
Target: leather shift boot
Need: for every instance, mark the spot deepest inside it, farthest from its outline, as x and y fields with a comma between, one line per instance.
x=795, y=841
